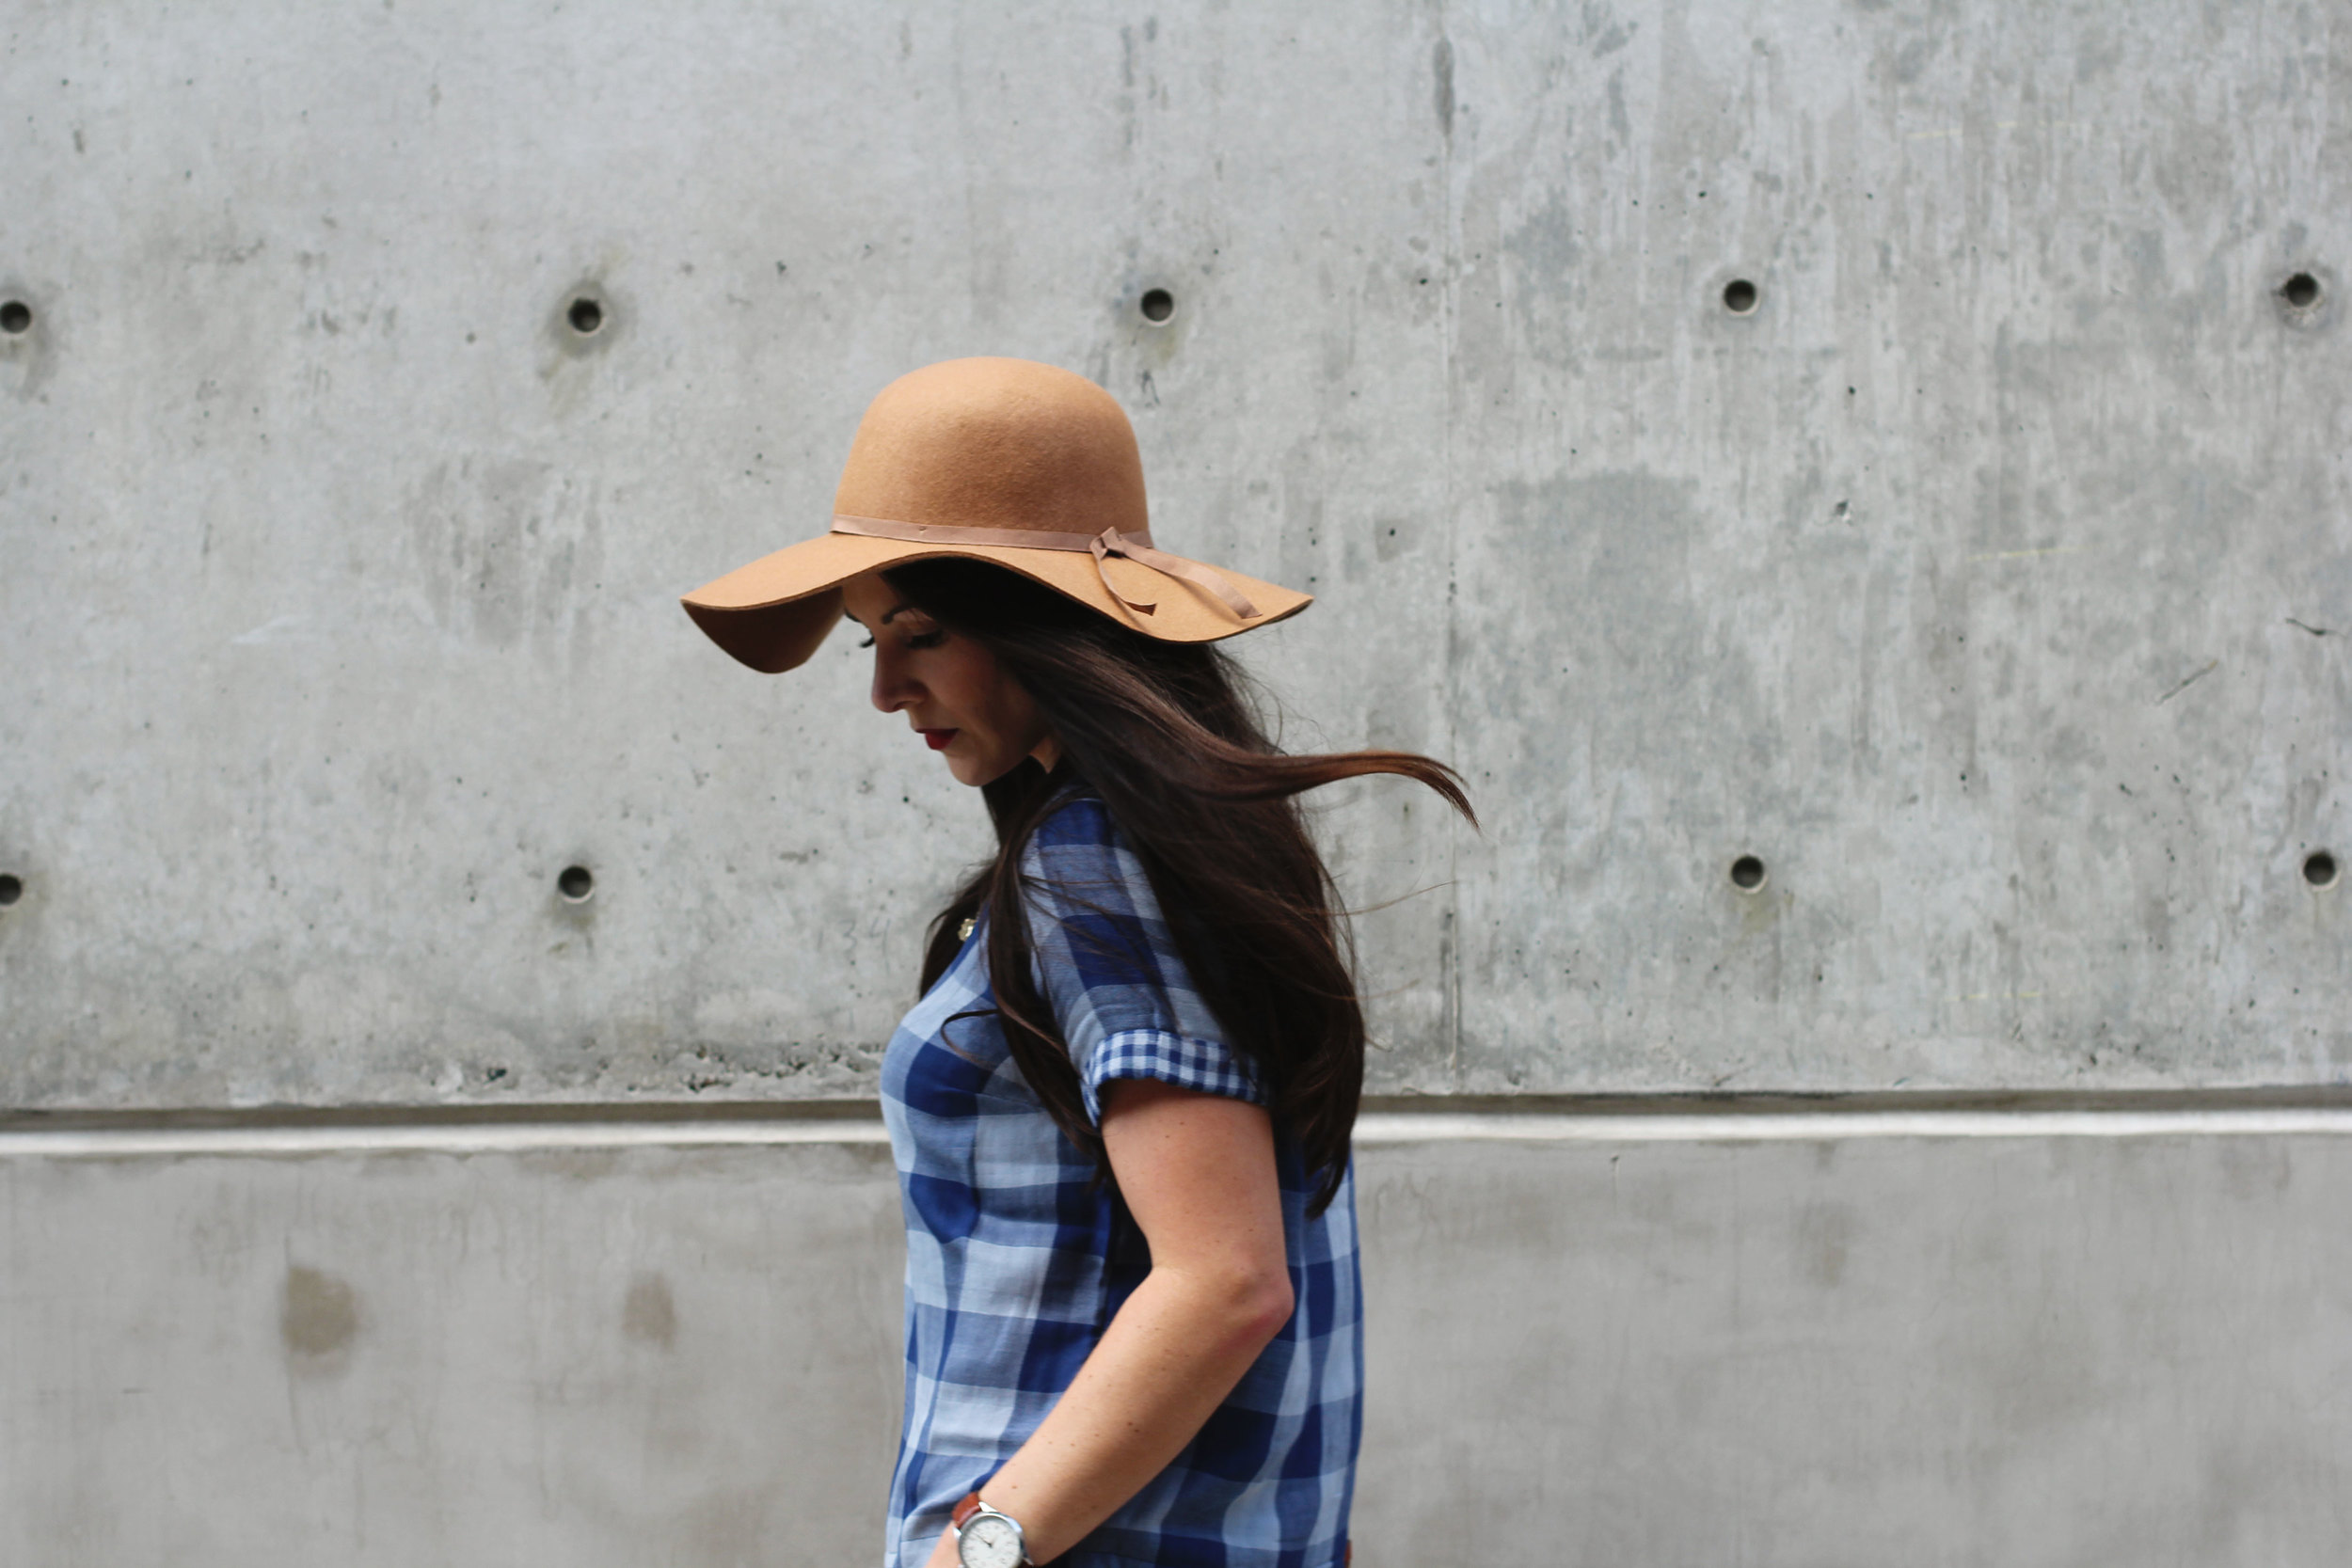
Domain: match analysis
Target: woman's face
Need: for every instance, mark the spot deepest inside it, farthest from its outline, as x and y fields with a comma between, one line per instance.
x=950, y=688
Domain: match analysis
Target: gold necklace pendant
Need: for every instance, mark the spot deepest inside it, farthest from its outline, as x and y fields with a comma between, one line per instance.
x=964, y=932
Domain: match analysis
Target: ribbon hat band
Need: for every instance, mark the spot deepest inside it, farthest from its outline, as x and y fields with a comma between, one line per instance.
x=1133, y=546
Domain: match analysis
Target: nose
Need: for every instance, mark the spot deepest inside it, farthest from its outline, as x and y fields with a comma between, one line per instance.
x=894, y=689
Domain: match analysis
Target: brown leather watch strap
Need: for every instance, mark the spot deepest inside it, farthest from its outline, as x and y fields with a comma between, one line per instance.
x=965, y=1508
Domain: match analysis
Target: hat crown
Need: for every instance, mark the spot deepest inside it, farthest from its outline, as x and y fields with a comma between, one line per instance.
x=995, y=443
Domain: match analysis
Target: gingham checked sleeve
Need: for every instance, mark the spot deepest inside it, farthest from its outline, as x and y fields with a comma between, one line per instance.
x=1106, y=966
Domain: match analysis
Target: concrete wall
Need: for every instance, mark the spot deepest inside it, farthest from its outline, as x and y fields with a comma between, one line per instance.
x=1986, y=576
x=1988, y=581
x=1782, y=1342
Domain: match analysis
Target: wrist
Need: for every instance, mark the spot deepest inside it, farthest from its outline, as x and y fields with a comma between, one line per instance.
x=986, y=1537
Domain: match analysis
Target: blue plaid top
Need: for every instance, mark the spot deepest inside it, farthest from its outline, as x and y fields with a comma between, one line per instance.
x=1016, y=1260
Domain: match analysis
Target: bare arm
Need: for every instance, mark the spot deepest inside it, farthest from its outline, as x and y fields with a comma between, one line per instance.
x=1197, y=1173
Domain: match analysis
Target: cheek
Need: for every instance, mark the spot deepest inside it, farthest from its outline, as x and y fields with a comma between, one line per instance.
x=1018, y=718
x=966, y=699
x=1003, y=709
x=969, y=681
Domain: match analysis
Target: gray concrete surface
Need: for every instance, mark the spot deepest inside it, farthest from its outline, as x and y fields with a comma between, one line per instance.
x=583, y=1355
x=1783, y=1341
x=1988, y=580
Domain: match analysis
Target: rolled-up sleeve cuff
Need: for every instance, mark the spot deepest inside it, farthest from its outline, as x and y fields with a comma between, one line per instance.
x=1208, y=1066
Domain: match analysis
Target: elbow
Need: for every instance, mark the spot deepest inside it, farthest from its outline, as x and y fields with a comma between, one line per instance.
x=1235, y=1309
x=1275, y=1309
x=1259, y=1304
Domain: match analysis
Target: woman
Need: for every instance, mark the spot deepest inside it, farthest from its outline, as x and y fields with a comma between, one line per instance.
x=1121, y=1110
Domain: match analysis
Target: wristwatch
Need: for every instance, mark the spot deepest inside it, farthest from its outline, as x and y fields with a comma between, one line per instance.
x=987, y=1539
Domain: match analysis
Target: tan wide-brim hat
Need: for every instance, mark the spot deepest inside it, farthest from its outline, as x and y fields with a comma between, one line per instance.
x=1004, y=460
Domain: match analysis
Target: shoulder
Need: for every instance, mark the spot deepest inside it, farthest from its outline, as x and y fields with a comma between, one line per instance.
x=1079, y=817
x=1077, y=841
x=1079, y=870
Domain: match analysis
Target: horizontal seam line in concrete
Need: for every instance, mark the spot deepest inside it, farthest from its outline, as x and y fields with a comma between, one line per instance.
x=1376, y=1128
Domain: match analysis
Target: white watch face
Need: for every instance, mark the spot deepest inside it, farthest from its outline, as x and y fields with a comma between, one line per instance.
x=990, y=1540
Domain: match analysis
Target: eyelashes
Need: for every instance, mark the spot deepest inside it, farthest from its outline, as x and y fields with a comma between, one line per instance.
x=921, y=640
x=868, y=644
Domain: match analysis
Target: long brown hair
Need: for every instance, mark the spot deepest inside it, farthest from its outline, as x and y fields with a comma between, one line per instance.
x=1163, y=733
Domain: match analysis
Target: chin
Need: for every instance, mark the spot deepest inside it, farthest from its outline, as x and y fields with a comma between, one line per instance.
x=977, y=771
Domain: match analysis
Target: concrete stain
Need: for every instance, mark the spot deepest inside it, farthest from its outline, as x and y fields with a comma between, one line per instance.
x=1441, y=68
x=318, y=1318
x=1824, y=1237
x=648, y=1315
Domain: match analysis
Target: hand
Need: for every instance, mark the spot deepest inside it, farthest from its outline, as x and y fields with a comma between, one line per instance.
x=943, y=1554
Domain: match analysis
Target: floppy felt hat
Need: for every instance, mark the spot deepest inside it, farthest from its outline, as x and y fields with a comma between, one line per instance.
x=1004, y=460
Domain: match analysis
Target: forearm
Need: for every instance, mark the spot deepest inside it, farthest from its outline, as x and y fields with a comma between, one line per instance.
x=1169, y=1358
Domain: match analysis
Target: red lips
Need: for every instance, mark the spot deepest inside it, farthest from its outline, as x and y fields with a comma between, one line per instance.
x=937, y=739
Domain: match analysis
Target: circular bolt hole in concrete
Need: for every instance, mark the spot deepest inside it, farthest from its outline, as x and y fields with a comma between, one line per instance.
x=11, y=889
x=16, y=318
x=586, y=316
x=2319, y=869
x=1740, y=297
x=575, y=884
x=2301, y=290
x=1747, y=873
x=1157, y=306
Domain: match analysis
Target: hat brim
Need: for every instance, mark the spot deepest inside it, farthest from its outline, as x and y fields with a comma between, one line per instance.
x=772, y=613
